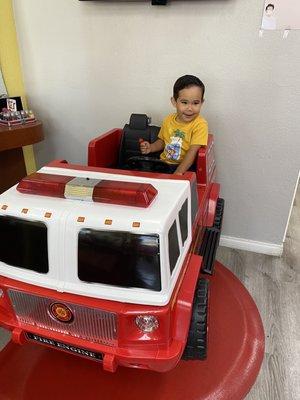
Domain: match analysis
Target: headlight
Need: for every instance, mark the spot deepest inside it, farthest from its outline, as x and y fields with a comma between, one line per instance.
x=147, y=323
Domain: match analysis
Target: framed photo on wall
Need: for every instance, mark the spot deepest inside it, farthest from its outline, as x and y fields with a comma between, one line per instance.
x=281, y=14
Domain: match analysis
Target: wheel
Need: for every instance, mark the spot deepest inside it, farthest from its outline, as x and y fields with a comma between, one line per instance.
x=196, y=344
x=145, y=163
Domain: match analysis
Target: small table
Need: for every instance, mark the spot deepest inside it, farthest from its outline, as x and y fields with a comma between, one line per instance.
x=12, y=139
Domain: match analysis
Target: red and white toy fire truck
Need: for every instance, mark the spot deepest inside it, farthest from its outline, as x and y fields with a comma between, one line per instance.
x=109, y=262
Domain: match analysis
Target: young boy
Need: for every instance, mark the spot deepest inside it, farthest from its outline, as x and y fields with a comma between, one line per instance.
x=184, y=132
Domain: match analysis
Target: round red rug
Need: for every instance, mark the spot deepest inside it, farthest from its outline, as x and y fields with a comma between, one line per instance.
x=235, y=354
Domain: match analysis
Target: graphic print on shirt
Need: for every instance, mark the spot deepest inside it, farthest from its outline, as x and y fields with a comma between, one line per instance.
x=173, y=149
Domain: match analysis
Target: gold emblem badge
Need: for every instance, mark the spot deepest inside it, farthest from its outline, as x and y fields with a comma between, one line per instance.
x=61, y=312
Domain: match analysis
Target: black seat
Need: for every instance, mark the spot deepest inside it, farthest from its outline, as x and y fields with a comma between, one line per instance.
x=138, y=128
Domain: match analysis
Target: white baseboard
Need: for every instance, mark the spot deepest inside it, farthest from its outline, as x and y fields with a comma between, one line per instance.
x=271, y=249
x=291, y=207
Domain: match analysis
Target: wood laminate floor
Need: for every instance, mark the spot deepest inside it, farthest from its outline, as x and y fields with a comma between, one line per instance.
x=274, y=284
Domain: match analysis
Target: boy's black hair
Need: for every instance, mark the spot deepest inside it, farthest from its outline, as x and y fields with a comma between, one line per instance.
x=185, y=82
x=270, y=5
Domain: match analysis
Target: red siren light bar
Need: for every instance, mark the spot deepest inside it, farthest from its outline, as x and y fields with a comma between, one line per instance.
x=44, y=184
x=124, y=193
x=102, y=191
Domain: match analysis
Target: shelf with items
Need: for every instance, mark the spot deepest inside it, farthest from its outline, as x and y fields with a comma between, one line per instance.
x=14, y=118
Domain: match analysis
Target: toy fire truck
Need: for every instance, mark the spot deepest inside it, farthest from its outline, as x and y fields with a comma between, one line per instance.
x=110, y=262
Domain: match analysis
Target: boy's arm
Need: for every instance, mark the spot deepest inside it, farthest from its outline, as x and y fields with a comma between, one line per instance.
x=199, y=138
x=147, y=147
x=188, y=160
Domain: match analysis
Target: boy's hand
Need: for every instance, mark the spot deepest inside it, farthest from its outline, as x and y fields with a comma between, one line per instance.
x=188, y=160
x=145, y=147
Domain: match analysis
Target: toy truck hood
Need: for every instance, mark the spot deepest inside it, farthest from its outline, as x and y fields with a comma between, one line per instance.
x=65, y=217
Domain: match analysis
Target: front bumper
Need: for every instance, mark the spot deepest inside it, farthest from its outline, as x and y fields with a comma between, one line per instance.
x=160, y=360
x=160, y=351
x=101, y=330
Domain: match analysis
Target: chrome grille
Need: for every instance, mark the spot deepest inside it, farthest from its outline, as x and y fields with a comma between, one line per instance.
x=89, y=323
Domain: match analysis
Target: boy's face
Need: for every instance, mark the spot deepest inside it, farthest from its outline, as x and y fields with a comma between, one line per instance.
x=188, y=104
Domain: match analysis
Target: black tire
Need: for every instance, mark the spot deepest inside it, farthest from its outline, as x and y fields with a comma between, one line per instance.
x=211, y=239
x=196, y=344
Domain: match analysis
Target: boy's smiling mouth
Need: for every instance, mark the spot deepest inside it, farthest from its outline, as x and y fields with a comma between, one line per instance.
x=188, y=116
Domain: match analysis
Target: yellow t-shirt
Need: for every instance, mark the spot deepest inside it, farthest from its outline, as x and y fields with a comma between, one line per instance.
x=179, y=136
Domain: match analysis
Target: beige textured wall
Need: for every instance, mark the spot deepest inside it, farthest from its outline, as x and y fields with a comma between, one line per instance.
x=88, y=65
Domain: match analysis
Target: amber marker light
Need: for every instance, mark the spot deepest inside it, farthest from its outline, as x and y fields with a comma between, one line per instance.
x=4, y=207
x=136, y=224
x=108, y=222
x=61, y=312
x=48, y=215
x=80, y=219
x=24, y=210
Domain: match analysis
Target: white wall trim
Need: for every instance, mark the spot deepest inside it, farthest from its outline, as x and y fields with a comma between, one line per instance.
x=291, y=207
x=251, y=245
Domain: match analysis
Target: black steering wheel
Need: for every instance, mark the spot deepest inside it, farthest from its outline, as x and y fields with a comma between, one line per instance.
x=144, y=163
